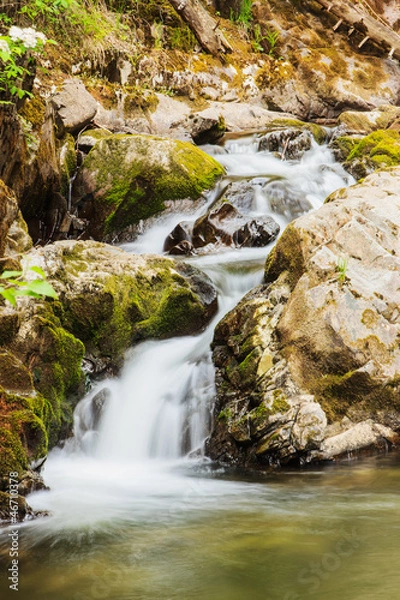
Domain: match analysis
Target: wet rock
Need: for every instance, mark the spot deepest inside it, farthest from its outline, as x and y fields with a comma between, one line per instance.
x=182, y=232
x=242, y=195
x=256, y=233
x=98, y=405
x=284, y=200
x=227, y=226
x=288, y=143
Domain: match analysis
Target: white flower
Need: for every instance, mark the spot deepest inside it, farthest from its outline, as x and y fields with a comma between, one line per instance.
x=15, y=33
x=28, y=36
x=4, y=47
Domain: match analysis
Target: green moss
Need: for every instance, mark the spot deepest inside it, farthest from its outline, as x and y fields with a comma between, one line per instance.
x=343, y=145
x=34, y=110
x=179, y=311
x=136, y=174
x=280, y=403
x=57, y=374
x=286, y=256
x=226, y=414
x=248, y=367
x=378, y=149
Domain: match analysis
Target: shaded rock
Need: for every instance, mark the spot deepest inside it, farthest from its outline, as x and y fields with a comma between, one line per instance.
x=126, y=178
x=206, y=130
x=226, y=225
x=23, y=510
x=74, y=107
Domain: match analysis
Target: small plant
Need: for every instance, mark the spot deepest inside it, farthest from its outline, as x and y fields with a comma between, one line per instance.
x=244, y=17
x=14, y=284
x=341, y=268
x=271, y=37
x=15, y=58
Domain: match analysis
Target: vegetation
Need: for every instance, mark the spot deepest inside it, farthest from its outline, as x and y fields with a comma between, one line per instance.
x=14, y=284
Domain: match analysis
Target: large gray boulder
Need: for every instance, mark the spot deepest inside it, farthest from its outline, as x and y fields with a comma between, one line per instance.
x=308, y=363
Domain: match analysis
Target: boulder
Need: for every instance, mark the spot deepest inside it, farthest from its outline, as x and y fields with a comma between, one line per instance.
x=74, y=107
x=307, y=363
x=132, y=297
x=126, y=178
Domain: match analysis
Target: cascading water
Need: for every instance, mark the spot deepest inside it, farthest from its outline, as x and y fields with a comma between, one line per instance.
x=159, y=409
x=133, y=519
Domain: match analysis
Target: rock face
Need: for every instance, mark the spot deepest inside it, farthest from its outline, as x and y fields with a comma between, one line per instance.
x=108, y=299
x=308, y=363
x=126, y=178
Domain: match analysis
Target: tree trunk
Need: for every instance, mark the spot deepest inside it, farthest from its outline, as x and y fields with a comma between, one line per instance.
x=204, y=27
x=379, y=33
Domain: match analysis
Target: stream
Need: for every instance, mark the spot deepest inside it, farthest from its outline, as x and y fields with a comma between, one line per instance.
x=137, y=513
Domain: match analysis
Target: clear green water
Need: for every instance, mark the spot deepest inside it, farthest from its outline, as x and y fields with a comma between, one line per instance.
x=327, y=534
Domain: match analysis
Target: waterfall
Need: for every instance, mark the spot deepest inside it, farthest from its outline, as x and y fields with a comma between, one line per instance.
x=158, y=411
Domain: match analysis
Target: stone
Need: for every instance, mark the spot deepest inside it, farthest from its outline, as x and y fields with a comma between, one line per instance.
x=284, y=200
x=289, y=143
x=227, y=226
x=307, y=363
x=127, y=178
x=74, y=107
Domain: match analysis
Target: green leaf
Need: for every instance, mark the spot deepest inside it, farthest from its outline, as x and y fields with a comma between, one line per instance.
x=10, y=274
x=9, y=294
x=38, y=270
x=42, y=287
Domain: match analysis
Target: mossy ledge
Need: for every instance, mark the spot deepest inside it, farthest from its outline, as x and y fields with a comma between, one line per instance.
x=126, y=178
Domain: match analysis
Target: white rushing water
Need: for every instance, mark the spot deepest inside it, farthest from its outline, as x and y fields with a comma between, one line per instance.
x=158, y=410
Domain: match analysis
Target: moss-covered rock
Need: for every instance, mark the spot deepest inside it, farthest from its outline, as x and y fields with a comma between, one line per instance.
x=379, y=149
x=111, y=298
x=126, y=178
